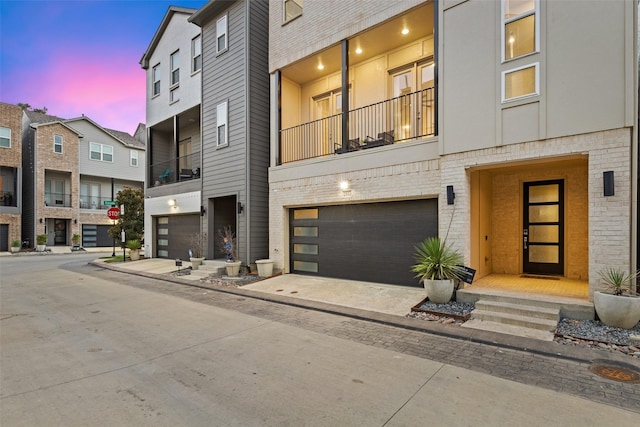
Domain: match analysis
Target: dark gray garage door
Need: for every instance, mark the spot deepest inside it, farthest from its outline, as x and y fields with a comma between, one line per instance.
x=373, y=242
x=173, y=233
x=96, y=236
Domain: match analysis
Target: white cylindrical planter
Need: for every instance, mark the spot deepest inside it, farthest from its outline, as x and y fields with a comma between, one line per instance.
x=265, y=267
x=233, y=268
x=616, y=310
x=439, y=291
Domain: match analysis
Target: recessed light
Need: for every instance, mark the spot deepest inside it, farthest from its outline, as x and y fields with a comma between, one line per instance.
x=405, y=31
x=358, y=51
x=320, y=67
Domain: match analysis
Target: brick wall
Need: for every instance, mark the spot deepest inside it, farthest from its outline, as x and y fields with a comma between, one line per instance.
x=11, y=117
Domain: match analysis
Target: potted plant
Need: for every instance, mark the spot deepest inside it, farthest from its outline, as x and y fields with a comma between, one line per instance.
x=197, y=243
x=438, y=265
x=265, y=267
x=620, y=307
x=41, y=240
x=15, y=246
x=134, y=247
x=75, y=239
x=228, y=245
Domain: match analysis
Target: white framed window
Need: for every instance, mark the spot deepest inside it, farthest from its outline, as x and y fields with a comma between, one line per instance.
x=5, y=137
x=221, y=124
x=520, y=82
x=292, y=9
x=133, y=158
x=221, y=35
x=174, y=95
x=57, y=143
x=174, y=62
x=155, y=75
x=100, y=152
x=196, y=54
x=520, y=28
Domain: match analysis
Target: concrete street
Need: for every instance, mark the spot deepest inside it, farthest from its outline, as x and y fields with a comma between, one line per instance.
x=81, y=345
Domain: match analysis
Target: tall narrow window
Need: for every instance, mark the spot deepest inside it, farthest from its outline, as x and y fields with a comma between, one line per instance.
x=292, y=9
x=196, y=49
x=519, y=30
x=175, y=67
x=133, y=158
x=221, y=34
x=5, y=137
x=155, y=72
x=520, y=82
x=221, y=123
x=57, y=143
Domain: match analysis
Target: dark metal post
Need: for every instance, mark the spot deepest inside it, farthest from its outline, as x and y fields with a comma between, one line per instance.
x=345, y=95
x=114, y=222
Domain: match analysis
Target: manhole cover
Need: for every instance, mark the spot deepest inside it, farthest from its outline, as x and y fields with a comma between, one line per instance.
x=616, y=371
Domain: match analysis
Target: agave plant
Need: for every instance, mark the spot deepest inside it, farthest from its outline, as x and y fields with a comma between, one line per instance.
x=435, y=260
x=616, y=278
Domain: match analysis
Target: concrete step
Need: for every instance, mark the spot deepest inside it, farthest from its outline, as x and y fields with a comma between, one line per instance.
x=520, y=309
x=569, y=307
x=515, y=319
x=508, y=329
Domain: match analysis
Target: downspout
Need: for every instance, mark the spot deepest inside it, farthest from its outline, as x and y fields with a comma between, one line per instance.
x=436, y=38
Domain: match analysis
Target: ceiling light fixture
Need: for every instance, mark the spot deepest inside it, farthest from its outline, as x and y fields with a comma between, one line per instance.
x=405, y=31
x=358, y=51
x=320, y=67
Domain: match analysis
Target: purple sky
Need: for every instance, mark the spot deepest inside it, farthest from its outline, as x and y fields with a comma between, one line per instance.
x=80, y=57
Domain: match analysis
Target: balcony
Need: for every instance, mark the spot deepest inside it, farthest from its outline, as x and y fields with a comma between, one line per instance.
x=403, y=118
x=185, y=168
x=57, y=200
x=90, y=202
x=381, y=80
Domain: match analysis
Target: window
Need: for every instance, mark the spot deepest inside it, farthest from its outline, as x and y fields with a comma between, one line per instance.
x=221, y=122
x=292, y=9
x=196, y=53
x=57, y=143
x=156, y=80
x=5, y=137
x=174, y=95
x=175, y=67
x=133, y=158
x=221, y=34
x=519, y=28
x=520, y=82
x=101, y=152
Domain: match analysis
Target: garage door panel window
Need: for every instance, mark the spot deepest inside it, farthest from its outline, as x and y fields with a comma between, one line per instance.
x=305, y=214
x=305, y=231
x=306, y=266
x=301, y=248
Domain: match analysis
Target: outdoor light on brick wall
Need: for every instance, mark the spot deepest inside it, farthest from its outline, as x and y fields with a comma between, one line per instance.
x=609, y=187
x=450, y=194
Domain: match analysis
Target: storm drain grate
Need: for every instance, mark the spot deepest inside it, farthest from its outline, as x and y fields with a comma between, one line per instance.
x=616, y=371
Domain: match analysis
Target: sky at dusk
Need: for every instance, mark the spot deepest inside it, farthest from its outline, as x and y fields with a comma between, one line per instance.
x=79, y=57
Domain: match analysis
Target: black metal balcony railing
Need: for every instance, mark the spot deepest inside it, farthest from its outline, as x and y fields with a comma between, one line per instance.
x=8, y=198
x=57, y=200
x=179, y=169
x=403, y=118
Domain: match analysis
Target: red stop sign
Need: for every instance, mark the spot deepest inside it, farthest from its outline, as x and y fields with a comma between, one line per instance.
x=113, y=213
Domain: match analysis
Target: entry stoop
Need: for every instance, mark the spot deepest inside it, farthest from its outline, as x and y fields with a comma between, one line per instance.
x=207, y=268
x=527, y=315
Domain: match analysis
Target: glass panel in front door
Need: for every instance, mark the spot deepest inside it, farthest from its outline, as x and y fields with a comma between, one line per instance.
x=542, y=237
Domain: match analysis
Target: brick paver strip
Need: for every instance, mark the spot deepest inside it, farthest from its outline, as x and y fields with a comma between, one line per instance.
x=544, y=364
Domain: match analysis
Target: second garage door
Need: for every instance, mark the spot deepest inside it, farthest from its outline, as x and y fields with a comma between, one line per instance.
x=173, y=234
x=372, y=242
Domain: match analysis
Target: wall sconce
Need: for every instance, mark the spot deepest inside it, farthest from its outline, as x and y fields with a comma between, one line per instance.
x=202, y=211
x=41, y=220
x=240, y=208
x=172, y=203
x=75, y=221
x=450, y=194
x=609, y=187
x=344, y=185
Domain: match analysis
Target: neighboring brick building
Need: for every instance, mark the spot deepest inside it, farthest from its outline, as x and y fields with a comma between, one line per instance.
x=485, y=122
x=10, y=174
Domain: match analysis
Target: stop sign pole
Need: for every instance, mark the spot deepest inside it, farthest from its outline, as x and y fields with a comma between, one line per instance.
x=113, y=213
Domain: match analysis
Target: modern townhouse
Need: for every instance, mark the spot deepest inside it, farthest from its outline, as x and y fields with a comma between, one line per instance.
x=10, y=174
x=72, y=171
x=235, y=118
x=173, y=202
x=488, y=123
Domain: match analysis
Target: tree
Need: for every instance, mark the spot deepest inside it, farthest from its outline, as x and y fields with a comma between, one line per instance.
x=27, y=107
x=133, y=219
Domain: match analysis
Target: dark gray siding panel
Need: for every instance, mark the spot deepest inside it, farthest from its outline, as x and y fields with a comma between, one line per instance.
x=258, y=141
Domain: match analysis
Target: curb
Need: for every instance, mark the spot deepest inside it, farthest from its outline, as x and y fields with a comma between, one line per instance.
x=493, y=339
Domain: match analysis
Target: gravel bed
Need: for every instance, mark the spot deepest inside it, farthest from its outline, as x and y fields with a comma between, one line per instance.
x=453, y=307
